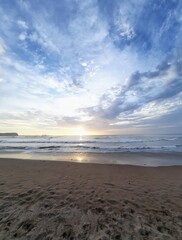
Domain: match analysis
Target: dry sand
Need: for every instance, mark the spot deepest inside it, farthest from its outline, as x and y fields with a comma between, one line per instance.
x=61, y=200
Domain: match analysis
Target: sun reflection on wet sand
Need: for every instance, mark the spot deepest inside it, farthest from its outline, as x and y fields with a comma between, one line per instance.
x=80, y=157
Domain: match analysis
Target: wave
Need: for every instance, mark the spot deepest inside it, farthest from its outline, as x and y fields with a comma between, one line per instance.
x=91, y=141
x=11, y=147
x=76, y=148
x=46, y=144
x=72, y=142
x=178, y=145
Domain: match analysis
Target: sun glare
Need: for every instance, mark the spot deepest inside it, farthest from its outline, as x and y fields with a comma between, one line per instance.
x=80, y=131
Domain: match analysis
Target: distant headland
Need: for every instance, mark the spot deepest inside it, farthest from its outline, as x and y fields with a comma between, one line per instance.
x=9, y=134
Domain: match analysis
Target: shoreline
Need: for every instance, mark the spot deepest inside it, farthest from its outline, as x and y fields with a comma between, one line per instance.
x=117, y=158
x=85, y=163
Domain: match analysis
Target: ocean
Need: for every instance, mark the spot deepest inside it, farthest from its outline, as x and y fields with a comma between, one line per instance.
x=163, y=150
x=100, y=144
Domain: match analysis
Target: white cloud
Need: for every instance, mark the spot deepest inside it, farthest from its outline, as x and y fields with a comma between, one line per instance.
x=22, y=24
x=2, y=46
x=34, y=37
x=22, y=36
x=126, y=31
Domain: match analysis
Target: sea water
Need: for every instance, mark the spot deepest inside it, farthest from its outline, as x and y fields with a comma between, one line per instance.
x=96, y=144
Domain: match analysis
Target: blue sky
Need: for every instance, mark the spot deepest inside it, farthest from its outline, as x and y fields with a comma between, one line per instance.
x=107, y=66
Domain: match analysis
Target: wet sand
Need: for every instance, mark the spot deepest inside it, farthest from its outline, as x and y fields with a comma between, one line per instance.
x=153, y=159
x=63, y=200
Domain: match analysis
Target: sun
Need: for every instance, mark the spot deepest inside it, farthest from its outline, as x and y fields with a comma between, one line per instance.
x=80, y=131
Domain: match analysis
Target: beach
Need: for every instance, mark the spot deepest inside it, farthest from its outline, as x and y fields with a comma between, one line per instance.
x=66, y=200
x=90, y=120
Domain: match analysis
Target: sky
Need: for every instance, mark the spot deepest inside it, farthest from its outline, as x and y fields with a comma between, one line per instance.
x=94, y=66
